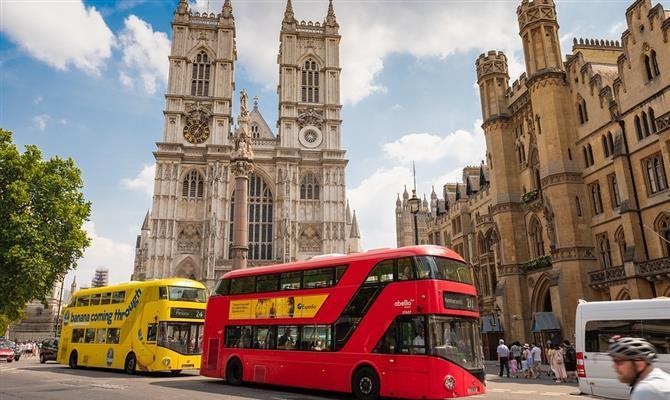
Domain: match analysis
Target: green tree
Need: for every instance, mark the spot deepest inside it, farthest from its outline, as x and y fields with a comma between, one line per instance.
x=42, y=211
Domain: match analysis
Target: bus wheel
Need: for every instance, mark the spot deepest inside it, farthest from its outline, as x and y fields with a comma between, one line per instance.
x=365, y=384
x=73, y=360
x=234, y=372
x=175, y=372
x=42, y=359
x=131, y=364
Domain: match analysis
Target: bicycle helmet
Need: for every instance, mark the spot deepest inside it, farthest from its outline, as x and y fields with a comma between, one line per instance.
x=629, y=348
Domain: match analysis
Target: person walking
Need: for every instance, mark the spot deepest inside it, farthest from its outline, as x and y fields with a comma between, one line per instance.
x=633, y=360
x=570, y=360
x=515, y=355
x=536, y=359
x=558, y=364
x=503, y=357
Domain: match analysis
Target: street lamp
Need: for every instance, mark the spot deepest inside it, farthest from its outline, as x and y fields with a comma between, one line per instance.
x=414, y=205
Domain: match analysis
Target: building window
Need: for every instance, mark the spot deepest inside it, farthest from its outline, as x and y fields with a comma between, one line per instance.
x=581, y=110
x=596, y=199
x=588, y=155
x=260, y=212
x=638, y=128
x=255, y=131
x=309, y=187
x=663, y=229
x=608, y=144
x=620, y=240
x=536, y=240
x=651, y=65
x=647, y=67
x=652, y=120
x=310, y=82
x=655, y=173
x=193, y=185
x=200, y=75
x=645, y=124
x=654, y=63
x=604, y=251
x=614, y=191
x=578, y=206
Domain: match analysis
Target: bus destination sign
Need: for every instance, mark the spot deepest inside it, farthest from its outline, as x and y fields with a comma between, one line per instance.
x=187, y=313
x=460, y=301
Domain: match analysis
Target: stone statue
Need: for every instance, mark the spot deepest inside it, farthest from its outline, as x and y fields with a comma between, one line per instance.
x=243, y=104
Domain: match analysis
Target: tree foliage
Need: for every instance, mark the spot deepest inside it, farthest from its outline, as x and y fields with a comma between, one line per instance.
x=42, y=211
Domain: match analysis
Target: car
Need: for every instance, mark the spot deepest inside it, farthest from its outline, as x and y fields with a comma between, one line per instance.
x=6, y=352
x=49, y=350
x=16, y=348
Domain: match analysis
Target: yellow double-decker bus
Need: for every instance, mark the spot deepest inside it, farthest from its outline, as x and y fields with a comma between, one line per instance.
x=148, y=326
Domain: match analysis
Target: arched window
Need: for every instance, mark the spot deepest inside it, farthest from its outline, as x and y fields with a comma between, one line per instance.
x=645, y=124
x=638, y=128
x=586, y=115
x=578, y=206
x=586, y=157
x=255, y=131
x=200, y=75
x=606, y=149
x=310, y=82
x=260, y=212
x=654, y=63
x=580, y=112
x=614, y=189
x=651, y=176
x=535, y=168
x=536, y=240
x=192, y=186
x=620, y=240
x=663, y=230
x=590, y=150
x=596, y=199
x=605, y=251
x=647, y=67
x=309, y=187
x=659, y=171
x=652, y=120
x=610, y=142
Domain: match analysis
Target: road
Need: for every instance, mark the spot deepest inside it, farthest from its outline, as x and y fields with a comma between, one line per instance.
x=28, y=380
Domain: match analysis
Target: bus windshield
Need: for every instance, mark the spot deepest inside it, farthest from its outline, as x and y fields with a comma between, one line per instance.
x=457, y=340
x=182, y=337
x=443, y=268
x=182, y=293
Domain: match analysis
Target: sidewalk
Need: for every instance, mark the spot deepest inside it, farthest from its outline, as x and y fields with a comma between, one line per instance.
x=493, y=368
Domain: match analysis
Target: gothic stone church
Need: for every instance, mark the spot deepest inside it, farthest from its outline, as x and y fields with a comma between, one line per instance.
x=297, y=204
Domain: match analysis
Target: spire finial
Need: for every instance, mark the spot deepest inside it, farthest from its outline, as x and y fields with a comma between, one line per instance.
x=331, y=21
x=227, y=9
x=414, y=175
x=289, y=17
x=182, y=7
x=255, y=102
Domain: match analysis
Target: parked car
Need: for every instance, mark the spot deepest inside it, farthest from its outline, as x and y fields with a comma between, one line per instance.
x=16, y=348
x=6, y=352
x=49, y=350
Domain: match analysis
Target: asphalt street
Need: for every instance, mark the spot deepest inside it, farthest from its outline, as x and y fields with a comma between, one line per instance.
x=30, y=380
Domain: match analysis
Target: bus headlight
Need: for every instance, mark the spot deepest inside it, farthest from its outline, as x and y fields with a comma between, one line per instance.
x=166, y=361
x=449, y=382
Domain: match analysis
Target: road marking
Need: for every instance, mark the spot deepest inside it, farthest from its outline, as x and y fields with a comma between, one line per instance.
x=553, y=394
x=524, y=391
x=498, y=390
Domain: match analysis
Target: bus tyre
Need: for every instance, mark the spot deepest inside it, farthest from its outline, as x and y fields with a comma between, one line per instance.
x=131, y=364
x=73, y=360
x=365, y=384
x=175, y=372
x=234, y=372
x=42, y=359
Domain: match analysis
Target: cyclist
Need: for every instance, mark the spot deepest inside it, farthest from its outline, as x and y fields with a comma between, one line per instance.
x=633, y=362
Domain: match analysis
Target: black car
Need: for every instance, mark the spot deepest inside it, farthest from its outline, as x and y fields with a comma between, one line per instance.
x=49, y=350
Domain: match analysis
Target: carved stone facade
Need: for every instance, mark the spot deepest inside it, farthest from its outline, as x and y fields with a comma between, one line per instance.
x=573, y=201
x=188, y=231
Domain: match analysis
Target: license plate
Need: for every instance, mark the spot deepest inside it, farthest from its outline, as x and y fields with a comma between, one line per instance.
x=473, y=390
x=187, y=365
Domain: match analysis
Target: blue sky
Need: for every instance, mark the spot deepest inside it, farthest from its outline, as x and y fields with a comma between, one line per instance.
x=85, y=79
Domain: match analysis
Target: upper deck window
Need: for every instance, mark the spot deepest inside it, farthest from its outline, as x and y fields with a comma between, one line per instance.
x=182, y=293
x=444, y=268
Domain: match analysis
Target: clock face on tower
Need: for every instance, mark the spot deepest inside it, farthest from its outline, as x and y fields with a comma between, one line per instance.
x=196, y=130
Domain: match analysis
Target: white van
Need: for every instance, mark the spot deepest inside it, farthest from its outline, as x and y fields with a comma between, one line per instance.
x=596, y=322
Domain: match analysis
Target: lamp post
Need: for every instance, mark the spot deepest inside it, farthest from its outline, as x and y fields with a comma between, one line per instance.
x=60, y=301
x=414, y=205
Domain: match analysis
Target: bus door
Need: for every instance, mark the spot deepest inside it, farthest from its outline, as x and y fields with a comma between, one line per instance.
x=146, y=349
x=405, y=366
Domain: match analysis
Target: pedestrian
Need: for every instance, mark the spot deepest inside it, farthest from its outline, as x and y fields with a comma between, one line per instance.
x=526, y=361
x=536, y=357
x=516, y=351
x=558, y=364
x=633, y=360
x=570, y=360
x=503, y=357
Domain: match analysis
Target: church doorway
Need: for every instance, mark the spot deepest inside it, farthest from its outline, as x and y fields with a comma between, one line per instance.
x=546, y=328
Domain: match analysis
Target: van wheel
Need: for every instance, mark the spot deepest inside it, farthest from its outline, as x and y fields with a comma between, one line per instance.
x=234, y=372
x=42, y=359
x=73, y=360
x=130, y=364
x=365, y=384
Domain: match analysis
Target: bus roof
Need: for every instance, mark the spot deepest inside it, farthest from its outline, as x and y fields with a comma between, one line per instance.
x=142, y=284
x=334, y=260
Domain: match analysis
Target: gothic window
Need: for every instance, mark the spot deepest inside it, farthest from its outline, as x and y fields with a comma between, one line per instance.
x=596, y=199
x=620, y=240
x=590, y=151
x=535, y=167
x=645, y=124
x=663, y=230
x=581, y=110
x=647, y=67
x=586, y=157
x=610, y=142
x=309, y=187
x=260, y=212
x=638, y=128
x=536, y=240
x=310, y=82
x=614, y=191
x=255, y=131
x=539, y=125
x=604, y=251
x=606, y=149
x=578, y=206
x=655, y=174
x=652, y=120
x=200, y=75
x=654, y=63
x=193, y=185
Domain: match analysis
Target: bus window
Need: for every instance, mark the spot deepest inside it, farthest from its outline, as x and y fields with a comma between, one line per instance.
x=318, y=278
x=151, y=332
x=387, y=344
x=77, y=336
x=264, y=337
x=113, y=336
x=267, y=283
x=100, y=335
x=106, y=298
x=382, y=272
x=423, y=268
x=95, y=299
x=411, y=335
x=82, y=301
x=316, y=338
x=233, y=334
x=245, y=338
x=339, y=271
x=405, y=269
x=223, y=287
x=179, y=293
x=182, y=337
x=162, y=293
x=242, y=285
x=89, y=336
x=118, y=297
x=288, y=337
x=451, y=270
x=290, y=280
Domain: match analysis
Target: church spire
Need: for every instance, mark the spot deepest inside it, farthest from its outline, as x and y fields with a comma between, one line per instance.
x=354, y=227
x=289, y=17
x=331, y=20
x=227, y=10
x=182, y=7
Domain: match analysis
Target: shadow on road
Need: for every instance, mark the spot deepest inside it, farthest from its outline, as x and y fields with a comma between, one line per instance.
x=256, y=391
x=98, y=372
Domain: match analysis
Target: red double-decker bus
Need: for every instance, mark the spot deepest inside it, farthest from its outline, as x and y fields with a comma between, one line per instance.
x=400, y=323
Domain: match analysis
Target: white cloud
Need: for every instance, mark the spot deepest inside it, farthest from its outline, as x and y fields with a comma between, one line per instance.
x=617, y=29
x=40, y=121
x=126, y=80
x=103, y=252
x=460, y=146
x=38, y=100
x=59, y=33
x=145, y=53
x=143, y=181
x=373, y=30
